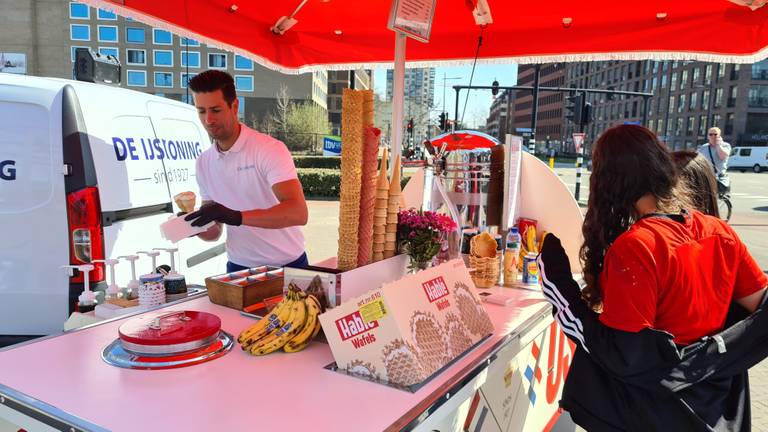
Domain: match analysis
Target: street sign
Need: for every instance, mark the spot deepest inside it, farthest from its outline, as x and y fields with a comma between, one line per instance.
x=632, y=123
x=331, y=146
x=523, y=130
x=578, y=141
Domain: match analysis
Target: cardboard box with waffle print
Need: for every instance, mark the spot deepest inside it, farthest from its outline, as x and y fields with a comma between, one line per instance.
x=406, y=330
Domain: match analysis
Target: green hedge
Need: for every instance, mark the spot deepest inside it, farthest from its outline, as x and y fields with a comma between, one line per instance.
x=324, y=182
x=331, y=162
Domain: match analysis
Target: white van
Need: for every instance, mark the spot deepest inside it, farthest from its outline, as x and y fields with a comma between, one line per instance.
x=88, y=171
x=752, y=158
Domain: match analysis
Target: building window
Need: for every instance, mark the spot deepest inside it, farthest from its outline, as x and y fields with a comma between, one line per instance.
x=758, y=96
x=760, y=70
x=732, y=95
x=79, y=11
x=660, y=127
x=162, y=37
x=702, y=126
x=683, y=79
x=109, y=51
x=244, y=83
x=107, y=33
x=720, y=71
x=718, y=98
x=242, y=63
x=217, y=61
x=680, y=128
x=671, y=104
x=193, y=56
x=137, y=57
x=80, y=32
x=708, y=74
x=673, y=83
x=73, y=49
x=137, y=78
x=162, y=58
x=188, y=99
x=107, y=15
x=651, y=123
x=163, y=79
x=241, y=107
x=735, y=72
x=694, y=99
x=696, y=75
x=134, y=35
x=189, y=42
x=705, y=99
x=691, y=126
x=729, y=123
x=185, y=79
x=717, y=119
x=681, y=104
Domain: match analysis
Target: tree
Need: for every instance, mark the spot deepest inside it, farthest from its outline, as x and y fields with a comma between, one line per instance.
x=283, y=107
x=306, y=123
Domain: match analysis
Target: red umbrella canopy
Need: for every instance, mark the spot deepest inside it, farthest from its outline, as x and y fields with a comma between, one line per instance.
x=463, y=140
x=345, y=34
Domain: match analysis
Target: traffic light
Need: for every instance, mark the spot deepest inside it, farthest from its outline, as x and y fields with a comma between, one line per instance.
x=442, y=121
x=495, y=89
x=587, y=114
x=574, y=108
x=410, y=125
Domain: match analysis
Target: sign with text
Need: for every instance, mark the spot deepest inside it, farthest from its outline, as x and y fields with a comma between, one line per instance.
x=331, y=146
x=413, y=18
x=407, y=330
x=578, y=142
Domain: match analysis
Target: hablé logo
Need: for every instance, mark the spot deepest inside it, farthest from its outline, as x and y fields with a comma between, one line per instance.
x=352, y=325
x=435, y=289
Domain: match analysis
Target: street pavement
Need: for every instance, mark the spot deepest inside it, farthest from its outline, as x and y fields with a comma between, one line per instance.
x=749, y=193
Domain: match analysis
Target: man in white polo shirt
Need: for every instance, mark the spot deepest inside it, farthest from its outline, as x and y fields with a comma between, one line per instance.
x=248, y=182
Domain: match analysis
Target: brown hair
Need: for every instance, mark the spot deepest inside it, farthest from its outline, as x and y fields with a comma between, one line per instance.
x=212, y=80
x=628, y=162
x=696, y=172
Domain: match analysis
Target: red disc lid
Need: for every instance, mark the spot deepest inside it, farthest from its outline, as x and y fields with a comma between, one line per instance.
x=170, y=328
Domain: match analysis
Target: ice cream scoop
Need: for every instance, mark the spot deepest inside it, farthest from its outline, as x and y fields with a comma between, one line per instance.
x=186, y=201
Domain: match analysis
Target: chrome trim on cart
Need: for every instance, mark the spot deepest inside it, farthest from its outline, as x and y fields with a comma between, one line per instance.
x=45, y=413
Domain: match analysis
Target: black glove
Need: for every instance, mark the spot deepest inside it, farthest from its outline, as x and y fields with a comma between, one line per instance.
x=215, y=212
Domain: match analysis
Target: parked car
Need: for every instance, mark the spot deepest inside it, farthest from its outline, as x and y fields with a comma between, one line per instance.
x=88, y=172
x=749, y=158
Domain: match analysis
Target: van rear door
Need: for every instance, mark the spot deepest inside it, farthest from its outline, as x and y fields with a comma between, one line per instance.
x=34, y=244
x=178, y=128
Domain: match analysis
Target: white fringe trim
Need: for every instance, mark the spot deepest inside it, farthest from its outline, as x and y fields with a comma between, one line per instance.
x=113, y=6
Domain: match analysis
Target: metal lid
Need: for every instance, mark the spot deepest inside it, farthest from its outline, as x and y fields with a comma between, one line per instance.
x=170, y=328
x=151, y=277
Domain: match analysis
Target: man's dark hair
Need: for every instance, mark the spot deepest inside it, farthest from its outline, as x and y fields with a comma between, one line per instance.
x=212, y=80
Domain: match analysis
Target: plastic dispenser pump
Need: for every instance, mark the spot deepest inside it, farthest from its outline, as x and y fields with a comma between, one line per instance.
x=172, y=253
x=153, y=254
x=113, y=291
x=87, y=300
x=133, y=285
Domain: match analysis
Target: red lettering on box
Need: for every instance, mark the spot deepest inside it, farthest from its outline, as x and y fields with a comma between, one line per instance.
x=353, y=325
x=435, y=289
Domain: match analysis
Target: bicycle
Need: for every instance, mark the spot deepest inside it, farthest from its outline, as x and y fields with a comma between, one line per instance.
x=724, y=205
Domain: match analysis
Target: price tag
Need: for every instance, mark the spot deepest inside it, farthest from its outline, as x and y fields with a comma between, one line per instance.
x=373, y=311
x=412, y=17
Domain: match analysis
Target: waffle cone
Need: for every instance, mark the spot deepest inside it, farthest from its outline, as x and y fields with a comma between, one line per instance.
x=456, y=336
x=362, y=369
x=402, y=364
x=378, y=247
x=351, y=178
x=430, y=342
x=472, y=314
x=367, y=195
x=389, y=254
x=390, y=237
x=368, y=107
x=377, y=256
x=379, y=238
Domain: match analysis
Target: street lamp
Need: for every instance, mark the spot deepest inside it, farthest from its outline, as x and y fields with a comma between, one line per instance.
x=444, y=80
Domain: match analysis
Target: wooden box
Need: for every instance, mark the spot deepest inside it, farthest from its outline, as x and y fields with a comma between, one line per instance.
x=244, y=288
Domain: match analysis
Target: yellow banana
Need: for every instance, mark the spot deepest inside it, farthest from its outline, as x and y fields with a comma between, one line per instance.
x=304, y=337
x=276, y=340
x=279, y=314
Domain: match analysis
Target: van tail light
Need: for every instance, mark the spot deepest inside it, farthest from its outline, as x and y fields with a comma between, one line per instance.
x=86, y=232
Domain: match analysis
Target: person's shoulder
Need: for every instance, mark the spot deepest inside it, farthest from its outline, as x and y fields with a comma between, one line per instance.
x=207, y=154
x=260, y=138
x=638, y=239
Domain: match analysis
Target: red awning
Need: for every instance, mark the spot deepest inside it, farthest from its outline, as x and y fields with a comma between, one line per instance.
x=345, y=34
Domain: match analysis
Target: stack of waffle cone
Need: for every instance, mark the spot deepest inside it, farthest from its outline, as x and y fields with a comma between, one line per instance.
x=367, y=195
x=351, y=177
x=380, y=210
x=393, y=207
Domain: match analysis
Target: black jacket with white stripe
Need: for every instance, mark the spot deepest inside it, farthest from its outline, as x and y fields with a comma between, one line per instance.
x=622, y=381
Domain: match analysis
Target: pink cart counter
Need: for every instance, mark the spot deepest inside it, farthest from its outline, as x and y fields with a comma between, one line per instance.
x=63, y=382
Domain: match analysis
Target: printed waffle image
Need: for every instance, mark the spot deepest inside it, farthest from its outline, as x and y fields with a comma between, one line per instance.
x=472, y=313
x=456, y=336
x=403, y=367
x=430, y=341
x=362, y=369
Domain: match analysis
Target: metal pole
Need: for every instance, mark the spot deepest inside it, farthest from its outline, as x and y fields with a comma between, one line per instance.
x=456, y=120
x=580, y=155
x=398, y=95
x=534, y=109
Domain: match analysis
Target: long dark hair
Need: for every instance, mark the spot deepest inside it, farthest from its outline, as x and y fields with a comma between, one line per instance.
x=696, y=171
x=628, y=162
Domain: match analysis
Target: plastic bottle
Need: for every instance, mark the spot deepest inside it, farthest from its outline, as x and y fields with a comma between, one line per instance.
x=511, y=253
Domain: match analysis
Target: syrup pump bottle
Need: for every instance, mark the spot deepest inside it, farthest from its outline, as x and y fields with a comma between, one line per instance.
x=86, y=302
x=133, y=286
x=175, y=283
x=172, y=252
x=113, y=291
x=152, y=254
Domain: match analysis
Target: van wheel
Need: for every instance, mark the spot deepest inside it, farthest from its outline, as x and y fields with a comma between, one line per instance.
x=757, y=168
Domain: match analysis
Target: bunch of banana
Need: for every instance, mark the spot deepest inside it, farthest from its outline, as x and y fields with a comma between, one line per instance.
x=291, y=326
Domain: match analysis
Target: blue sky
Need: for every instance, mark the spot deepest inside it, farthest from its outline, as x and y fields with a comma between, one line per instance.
x=479, y=100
